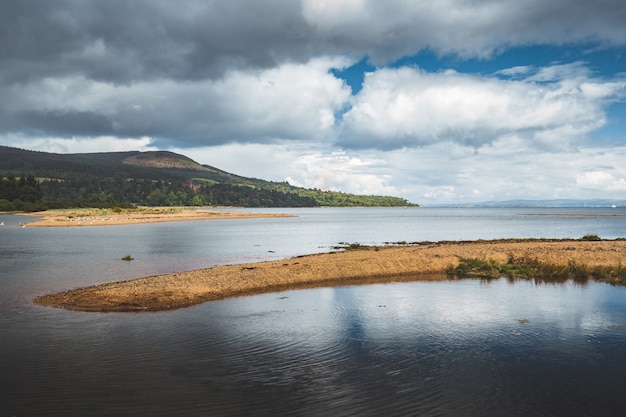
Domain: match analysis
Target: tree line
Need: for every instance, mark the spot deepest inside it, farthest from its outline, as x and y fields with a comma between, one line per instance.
x=28, y=194
x=19, y=194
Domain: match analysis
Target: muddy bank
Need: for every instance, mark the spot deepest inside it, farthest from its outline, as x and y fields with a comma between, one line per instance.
x=365, y=265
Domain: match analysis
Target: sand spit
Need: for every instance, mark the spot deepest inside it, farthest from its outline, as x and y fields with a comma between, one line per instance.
x=365, y=265
x=108, y=217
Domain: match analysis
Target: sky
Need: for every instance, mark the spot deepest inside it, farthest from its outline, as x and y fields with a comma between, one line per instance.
x=438, y=102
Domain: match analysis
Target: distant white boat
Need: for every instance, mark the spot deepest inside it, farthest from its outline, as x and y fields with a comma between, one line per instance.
x=613, y=206
x=1, y=223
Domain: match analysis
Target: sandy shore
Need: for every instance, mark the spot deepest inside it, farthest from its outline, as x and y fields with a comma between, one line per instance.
x=108, y=217
x=421, y=262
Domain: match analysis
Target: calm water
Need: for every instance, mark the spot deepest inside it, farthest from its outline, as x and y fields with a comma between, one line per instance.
x=417, y=348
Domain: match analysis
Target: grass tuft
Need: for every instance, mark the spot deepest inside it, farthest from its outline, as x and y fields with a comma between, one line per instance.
x=535, y=269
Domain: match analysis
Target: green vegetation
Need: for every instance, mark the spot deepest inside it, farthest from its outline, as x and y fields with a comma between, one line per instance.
x=591, y=238
x=19, y=194
x=535, y=269
x=128, y=258
x=149, y=178
x=350, y=246
x=340, y=199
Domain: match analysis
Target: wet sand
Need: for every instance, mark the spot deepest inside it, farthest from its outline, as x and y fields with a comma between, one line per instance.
x=427, y=261
x=107, y=217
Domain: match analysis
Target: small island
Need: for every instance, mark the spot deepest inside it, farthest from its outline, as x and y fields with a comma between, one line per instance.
x=139, y=215
x=539, y=259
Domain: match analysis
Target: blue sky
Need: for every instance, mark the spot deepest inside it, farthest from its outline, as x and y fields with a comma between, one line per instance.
x=453, y=101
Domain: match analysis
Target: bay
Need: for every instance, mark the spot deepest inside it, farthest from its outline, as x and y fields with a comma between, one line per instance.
x=411, y=348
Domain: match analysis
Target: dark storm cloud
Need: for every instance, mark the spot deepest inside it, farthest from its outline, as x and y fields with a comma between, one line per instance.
x=124, y=41
x=59, y=122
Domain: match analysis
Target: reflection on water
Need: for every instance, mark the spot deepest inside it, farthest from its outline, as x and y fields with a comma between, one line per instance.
x=410, y=348
x=413, y=348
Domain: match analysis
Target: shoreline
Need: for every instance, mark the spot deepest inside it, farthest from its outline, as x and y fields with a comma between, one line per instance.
x=425, y=261
x=140, y=215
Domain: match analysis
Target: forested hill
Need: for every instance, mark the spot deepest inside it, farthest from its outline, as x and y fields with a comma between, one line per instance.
x=39, y=180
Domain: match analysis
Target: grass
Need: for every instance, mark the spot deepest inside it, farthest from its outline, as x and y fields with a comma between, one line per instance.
x=90, y=212
x=350, y=246
x=535, y=269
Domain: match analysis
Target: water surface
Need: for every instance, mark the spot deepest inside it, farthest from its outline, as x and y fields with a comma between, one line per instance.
x=410, y=348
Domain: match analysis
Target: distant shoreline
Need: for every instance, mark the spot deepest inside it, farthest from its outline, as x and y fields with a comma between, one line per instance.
x=426, y=261
x=578, y=214
x=110, y=217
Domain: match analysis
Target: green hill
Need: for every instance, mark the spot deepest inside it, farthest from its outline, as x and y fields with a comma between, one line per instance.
x=149, y=178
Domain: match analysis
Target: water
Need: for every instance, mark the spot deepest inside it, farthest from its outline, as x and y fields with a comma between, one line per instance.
x=409, y=348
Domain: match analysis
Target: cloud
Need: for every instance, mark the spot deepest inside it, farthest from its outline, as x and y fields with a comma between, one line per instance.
x=210, y=73
x=249, y=87
x=303, y=165
x=80, y=145
x=122, y=42
x=519, y=70
x=448, y=172
x=388, y=30
x=445, y=172
x=408, y=107
x=292, y=101
x=339, y=171
x=601, y=180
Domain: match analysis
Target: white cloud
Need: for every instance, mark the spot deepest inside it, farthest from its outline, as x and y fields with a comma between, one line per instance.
x=572, y=72
x=78, y=145
x=302, y=164
x=601, y=180
x=519, y=70
x=410, y=107
x=339, y=171
x=437, y=173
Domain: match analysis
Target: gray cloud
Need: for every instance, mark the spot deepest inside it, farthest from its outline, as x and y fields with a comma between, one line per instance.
x=59, y=122
x=124, y=41
x=201, y=72
x=291, y=102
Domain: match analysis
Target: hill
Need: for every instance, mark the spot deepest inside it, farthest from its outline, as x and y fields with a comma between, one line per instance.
x=149, y=178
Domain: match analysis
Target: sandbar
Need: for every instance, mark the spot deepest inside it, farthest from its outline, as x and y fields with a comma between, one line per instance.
x=109, y=217
x=425, y=261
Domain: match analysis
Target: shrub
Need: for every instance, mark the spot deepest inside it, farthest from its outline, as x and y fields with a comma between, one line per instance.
x=472, y=267
x=6, y=205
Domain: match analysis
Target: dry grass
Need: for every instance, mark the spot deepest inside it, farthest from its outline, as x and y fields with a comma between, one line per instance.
x=172, y=291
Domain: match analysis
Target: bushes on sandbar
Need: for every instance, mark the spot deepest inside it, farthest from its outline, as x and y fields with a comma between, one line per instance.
x=535, y=269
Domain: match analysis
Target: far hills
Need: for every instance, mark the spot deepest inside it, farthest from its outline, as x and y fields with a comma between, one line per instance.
x=548, y=203
x=39, y=180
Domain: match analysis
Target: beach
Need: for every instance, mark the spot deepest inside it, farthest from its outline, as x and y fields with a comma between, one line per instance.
x=424, y=261
x=112, y=217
